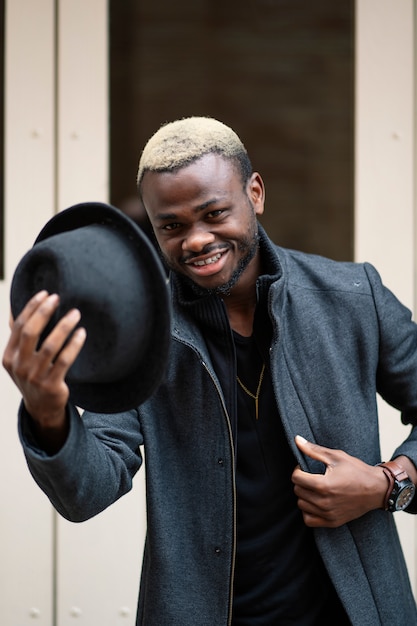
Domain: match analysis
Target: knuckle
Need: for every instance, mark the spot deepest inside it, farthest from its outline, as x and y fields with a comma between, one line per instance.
x=333, y=523
x=47, y=348
x=26, y=333
x=16, y=368
x=63, y=360
x=32, y=377
x=328, y=507
x=6, y=358
x=18, y=323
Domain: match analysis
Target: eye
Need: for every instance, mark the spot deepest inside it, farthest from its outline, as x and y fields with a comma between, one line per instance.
x=172, y=226
x=216, y=213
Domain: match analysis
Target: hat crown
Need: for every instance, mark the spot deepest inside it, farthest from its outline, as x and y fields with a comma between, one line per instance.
x=110, y=272
x=94, y=269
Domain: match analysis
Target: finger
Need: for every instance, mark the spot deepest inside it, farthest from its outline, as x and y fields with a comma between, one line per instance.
x=306, y=506
x=32, y=321
x=53, y=344
x=312, y=514
x=316, y=510
x=307, y=485
x=314, y=451
x=318, y=516
x=17, y=325
x=316, y=521
x=30, y=306
x=68, y=355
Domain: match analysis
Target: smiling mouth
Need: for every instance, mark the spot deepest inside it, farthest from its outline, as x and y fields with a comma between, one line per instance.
x=209, y=261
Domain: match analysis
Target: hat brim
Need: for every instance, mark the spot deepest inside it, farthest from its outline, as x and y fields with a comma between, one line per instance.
x=144, y=377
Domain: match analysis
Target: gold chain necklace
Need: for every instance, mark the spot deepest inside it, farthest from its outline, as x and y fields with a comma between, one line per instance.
x=254, y=396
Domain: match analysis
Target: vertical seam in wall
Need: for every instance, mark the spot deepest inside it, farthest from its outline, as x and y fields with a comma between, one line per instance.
x=54, y=568
x=414, y=158
x=355, y=124
x=55, y=147
x=56, y=104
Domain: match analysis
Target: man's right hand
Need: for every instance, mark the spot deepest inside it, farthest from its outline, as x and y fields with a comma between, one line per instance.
x=39, y=372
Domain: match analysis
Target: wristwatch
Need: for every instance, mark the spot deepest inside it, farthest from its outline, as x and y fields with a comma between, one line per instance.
x=400, y=490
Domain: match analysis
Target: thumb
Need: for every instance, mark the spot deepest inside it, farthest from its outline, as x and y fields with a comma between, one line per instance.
x=314, y=451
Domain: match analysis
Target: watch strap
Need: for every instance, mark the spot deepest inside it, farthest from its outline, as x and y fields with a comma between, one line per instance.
x=394, y=472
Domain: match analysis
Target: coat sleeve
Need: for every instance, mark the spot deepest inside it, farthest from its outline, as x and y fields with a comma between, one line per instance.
x=95, y=466
x=397, y=369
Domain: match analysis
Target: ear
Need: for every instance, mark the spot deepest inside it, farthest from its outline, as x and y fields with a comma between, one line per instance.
x=256, y=192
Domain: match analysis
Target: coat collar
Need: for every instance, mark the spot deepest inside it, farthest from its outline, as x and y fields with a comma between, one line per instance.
x=210, y=310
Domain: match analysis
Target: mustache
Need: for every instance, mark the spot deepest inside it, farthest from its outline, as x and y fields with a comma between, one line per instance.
x=210, y=248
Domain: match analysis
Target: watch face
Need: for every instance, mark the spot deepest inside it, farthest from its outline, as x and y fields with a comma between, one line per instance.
x=404, y=497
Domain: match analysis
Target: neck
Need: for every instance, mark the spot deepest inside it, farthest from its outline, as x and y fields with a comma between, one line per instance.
x=241, y=303
x=241, y=318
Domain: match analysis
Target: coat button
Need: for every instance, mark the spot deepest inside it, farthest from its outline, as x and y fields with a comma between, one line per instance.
x=217, y=551
x=220, y=462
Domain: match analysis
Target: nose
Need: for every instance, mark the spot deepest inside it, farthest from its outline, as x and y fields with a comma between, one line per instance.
x=197, y=238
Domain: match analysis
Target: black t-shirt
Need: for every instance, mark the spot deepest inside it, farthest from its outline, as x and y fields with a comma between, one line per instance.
x=279, y=576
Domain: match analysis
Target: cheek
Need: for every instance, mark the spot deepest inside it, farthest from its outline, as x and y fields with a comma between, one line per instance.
x=168, y=248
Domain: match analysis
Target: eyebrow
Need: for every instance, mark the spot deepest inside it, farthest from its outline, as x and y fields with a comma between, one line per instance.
x=197, y=209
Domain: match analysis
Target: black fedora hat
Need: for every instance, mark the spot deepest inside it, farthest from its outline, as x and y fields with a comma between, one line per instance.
x=99, y=261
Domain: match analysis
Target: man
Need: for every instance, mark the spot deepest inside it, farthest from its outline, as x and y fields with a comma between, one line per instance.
x=266, y=504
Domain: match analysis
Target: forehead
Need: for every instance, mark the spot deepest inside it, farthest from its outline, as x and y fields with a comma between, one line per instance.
x=210, y=174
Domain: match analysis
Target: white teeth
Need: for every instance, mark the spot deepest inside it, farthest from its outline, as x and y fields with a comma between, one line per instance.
x=212, y=259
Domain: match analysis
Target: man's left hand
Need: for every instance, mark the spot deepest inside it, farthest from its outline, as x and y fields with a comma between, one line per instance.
x=348, y=489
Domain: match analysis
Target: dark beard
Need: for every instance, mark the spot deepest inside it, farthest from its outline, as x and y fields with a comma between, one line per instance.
x=224, y=290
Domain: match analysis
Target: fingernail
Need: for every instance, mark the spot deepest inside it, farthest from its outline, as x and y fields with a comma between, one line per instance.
x=74, y=315
x=53, y=298
x=80, y=333
x=301, y=439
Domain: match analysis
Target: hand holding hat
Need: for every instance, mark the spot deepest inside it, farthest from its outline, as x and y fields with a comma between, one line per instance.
x=40, y=373
x=98, y=261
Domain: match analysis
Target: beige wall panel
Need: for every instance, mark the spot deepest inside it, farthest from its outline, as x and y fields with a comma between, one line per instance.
x=385, y=174
x=26, y=515
x=99, y=561
x=29, y=123
x=82, y=102
x=384, y=163
x=99, y=564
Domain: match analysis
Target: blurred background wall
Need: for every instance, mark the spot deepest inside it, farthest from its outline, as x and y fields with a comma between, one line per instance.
x=280, y=72
x=322, y=93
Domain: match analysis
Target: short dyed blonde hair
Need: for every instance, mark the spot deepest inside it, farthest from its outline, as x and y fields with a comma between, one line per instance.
x=179, y=143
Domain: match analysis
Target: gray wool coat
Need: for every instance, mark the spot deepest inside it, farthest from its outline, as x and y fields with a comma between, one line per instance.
x=339, y=338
